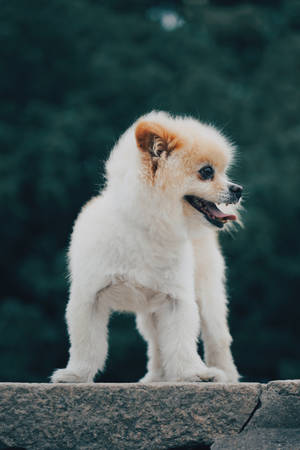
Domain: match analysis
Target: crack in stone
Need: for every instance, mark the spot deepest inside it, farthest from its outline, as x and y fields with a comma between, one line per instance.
x=191, y=446
x=257, y=406
x=5, y=447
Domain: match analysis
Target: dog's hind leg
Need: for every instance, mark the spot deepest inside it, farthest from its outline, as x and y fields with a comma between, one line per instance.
x=146, y=325
x=87, y=318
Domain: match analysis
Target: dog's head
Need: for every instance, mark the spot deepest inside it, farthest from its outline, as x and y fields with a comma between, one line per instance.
x=187, y=160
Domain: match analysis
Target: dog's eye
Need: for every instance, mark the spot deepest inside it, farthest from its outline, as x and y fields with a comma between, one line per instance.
x=206, y=172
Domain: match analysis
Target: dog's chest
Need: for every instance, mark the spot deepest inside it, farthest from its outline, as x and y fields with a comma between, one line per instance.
x=130, y=296
x=154, y=265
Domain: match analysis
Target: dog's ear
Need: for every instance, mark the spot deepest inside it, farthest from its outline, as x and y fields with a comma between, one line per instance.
x=153, y=139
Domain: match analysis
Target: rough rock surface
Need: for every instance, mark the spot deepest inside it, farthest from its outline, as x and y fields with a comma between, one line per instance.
x=280, y=406
x=275, y=422
x=261, y=439
x=157, y=416
x=122, y=416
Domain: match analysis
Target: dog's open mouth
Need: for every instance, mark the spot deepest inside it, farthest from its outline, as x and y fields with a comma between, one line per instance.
x=210, y=210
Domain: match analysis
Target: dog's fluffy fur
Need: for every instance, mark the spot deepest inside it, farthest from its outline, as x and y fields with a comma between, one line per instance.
x=144, y=246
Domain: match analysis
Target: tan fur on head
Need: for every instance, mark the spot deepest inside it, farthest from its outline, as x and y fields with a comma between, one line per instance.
x=177, y=172
x=198, y=143
x=155, y=142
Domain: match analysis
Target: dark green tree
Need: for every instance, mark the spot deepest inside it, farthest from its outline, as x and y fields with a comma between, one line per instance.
x=74, y=75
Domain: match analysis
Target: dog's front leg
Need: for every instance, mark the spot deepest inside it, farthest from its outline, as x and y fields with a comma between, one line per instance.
x=87, y=317
x=216, y=336
x=177, y=334
x=212, y=301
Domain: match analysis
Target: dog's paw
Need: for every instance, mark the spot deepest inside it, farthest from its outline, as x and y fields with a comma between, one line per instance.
x=68, y=376
x=232, y=376
x=151, y=377
x=210, y=374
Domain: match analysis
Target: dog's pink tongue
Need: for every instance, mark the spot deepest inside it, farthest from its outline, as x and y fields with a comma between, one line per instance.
x=219, y=214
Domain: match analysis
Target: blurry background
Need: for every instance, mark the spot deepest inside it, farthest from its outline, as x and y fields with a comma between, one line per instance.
x=76, y=74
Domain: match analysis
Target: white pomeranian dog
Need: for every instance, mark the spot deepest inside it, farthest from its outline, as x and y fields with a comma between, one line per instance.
x=148, y=244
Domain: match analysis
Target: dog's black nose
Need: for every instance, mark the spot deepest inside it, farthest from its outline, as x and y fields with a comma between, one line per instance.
x=236, y=190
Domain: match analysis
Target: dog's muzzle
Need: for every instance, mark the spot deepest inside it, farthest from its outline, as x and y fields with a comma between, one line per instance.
x=235, y=192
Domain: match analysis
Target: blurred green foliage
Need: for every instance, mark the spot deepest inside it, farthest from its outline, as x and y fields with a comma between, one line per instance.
x=74, y=75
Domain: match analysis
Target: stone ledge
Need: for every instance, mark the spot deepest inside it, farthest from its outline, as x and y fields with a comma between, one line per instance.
x=155, y=416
